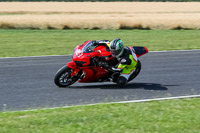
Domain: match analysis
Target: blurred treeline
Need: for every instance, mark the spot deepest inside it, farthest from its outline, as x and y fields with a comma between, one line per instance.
x=101, y=0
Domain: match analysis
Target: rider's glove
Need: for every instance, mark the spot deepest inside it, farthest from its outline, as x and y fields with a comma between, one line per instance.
x=116, y=70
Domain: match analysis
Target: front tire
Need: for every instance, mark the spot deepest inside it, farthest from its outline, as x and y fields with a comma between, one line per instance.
x=63, y=77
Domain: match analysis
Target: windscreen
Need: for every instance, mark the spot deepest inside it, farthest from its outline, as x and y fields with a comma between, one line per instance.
x=89, y=47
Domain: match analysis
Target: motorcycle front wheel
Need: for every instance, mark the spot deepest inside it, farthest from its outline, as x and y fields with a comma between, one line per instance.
x=63, y=77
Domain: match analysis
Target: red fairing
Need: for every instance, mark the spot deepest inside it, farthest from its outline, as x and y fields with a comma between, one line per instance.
x=82, y=61
x=91, y=75
x=80, y=55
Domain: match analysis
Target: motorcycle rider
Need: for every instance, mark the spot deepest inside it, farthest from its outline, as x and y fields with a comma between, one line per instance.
x=127, y=61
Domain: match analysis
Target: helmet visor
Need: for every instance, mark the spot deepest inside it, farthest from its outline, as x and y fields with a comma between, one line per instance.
x=115, y=52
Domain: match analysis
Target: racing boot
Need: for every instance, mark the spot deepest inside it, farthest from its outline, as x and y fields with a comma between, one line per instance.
x=121, y=81
x=115, y=76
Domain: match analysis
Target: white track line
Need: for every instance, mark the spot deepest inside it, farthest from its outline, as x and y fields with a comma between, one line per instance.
x=71, y=55
x=175, y=50
x=131, y=101
x=159, y=99
x=33, y=56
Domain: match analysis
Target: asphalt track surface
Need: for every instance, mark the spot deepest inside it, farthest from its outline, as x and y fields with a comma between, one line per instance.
x=27, y=83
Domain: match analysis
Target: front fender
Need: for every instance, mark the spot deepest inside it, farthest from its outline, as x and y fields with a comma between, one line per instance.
x=73, y=66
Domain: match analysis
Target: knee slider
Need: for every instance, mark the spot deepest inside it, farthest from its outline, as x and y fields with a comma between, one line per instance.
x=121, y=81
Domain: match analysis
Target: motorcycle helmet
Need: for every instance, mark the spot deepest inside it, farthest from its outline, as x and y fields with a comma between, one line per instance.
x=116, y=47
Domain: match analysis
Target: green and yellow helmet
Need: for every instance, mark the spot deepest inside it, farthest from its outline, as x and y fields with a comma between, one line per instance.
x=116, y=47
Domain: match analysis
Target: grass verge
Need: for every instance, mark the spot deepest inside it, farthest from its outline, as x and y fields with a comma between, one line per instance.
x=15, y=43
x=170, y=116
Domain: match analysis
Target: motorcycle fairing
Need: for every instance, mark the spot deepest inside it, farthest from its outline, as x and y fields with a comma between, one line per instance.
x=82, y=61
x=83, y=53
x=93, y=74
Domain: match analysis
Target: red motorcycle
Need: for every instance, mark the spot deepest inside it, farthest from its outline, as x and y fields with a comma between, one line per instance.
x=84, y=65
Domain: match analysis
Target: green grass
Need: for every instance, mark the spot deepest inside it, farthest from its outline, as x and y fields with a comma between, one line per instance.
x=170, y=116
x=14, y=43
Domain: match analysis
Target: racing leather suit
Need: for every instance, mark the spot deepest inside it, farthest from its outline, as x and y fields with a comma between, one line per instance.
x=127, y=64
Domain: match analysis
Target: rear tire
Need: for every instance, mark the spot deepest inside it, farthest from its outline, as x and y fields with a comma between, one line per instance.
x=63, y=77
x=137, y=71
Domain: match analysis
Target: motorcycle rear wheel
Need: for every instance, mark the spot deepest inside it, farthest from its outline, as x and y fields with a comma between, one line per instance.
x=63, y=77
x=137, y=71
